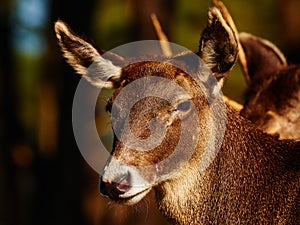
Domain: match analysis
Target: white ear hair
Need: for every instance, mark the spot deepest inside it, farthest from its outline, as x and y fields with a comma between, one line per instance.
x=86, y=59
x=102, y=73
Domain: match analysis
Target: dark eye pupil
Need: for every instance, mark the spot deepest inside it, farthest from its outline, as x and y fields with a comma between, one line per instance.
x=184, y=106
x=108, y=106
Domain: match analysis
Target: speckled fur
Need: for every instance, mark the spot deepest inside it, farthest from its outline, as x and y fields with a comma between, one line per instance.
x=255, y=179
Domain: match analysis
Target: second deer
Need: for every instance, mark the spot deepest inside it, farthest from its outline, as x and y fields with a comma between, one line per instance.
x=273, y=95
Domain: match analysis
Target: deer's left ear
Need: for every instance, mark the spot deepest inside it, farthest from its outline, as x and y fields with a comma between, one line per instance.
x=261, y=57
x=86, y=60
x=218, y=44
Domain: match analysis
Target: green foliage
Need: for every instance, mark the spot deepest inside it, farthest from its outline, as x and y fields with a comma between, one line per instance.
x=111, y=23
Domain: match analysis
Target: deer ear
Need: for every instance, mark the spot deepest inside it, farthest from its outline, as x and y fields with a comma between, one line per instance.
x=85, y=59
x=261, y=56
x=218, y=44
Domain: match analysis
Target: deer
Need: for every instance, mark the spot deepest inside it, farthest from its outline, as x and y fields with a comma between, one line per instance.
x=273, y=93
x=252, y=178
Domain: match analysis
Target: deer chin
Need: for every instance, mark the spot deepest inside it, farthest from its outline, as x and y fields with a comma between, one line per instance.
x=133, y=197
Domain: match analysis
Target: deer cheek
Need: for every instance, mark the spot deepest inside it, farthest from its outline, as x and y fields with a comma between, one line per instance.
x=153, y=156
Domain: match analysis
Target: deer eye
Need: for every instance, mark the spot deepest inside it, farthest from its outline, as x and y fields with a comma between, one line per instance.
x=108, y=106
x=184, y=106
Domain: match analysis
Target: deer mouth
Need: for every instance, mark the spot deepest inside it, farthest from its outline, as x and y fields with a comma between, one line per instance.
x=120, y=193
x=133, y=198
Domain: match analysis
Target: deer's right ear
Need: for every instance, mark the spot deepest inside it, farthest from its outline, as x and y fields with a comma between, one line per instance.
x=219, y=44
x=85, y=59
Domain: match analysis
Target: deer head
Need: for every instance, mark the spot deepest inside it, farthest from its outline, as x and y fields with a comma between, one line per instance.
x=138, y=149
x=273, y=95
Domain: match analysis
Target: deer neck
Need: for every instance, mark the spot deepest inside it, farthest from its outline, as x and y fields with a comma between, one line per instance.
x=238, y=182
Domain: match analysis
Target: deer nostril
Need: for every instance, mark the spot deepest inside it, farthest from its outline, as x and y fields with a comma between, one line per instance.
x=123, y=184
x=115, y=188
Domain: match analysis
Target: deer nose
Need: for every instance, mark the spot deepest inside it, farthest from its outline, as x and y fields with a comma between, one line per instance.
x=115, y=188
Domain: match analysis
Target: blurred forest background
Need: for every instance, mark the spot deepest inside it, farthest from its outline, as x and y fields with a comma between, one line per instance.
x=43, y=177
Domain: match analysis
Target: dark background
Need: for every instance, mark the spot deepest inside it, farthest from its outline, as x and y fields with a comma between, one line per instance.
x=43, y=177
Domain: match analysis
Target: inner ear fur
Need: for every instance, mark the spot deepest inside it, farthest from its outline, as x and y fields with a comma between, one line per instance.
x=86, y=60
x=218, y=44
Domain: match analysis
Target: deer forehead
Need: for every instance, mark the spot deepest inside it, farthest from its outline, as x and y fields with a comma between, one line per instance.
x=152, y=68
x=165, y=70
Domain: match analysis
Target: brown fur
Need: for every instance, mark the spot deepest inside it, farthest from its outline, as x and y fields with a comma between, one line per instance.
x=273, y=96
x=254, y=178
